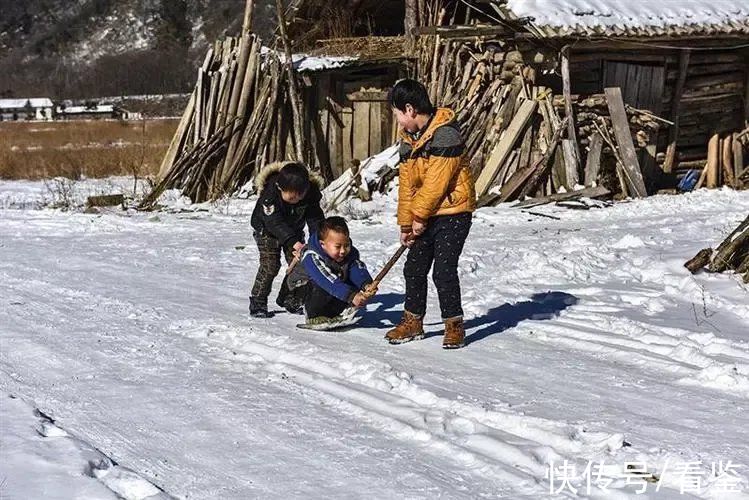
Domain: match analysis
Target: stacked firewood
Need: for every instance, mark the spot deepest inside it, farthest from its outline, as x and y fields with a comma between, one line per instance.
x=592, y=110
x=725, y=164
x=731, y=255
x=234, y=123
x=517, y=138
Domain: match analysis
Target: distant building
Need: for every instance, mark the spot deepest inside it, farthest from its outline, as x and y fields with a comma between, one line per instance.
x=95, y=111
x=35, y=108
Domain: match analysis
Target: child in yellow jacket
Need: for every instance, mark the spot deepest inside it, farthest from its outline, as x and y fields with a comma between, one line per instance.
x=436, y=198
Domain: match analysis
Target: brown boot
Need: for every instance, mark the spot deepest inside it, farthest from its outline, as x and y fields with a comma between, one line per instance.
x=455, y=334
x=410, y=328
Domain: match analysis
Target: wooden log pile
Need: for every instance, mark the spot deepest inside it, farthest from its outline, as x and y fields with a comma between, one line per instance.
x=518, y=138
x=731, y=255
x=235, y=121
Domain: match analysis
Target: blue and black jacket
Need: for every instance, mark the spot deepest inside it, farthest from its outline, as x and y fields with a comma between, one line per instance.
x=342, y=280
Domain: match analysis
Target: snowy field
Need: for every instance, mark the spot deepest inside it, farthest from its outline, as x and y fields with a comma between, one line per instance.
x=596, y=365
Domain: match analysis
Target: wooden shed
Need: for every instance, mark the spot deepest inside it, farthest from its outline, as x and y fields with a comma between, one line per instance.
x=347, y=115
x=686, y=61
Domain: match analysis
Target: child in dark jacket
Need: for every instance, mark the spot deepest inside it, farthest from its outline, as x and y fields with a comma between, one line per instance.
x=289, y=198
x=330, y=272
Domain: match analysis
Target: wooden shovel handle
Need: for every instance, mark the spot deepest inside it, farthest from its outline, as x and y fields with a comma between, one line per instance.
x=389, y=265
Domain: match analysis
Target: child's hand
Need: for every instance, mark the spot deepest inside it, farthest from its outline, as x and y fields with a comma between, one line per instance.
x=297, y=251
x=369, y=291
x=407, y=239
x=359, y=299
x=418, y=228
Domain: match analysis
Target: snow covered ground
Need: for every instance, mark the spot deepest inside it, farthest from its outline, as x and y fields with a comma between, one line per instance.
x=596, y=365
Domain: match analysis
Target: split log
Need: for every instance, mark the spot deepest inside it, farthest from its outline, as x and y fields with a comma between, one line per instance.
x=733, y=247
x=727, y=162
x=713, y=161
x=699, y=261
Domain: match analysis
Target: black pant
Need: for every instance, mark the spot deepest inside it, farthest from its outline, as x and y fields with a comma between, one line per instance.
x=441, y=244
x=270, y=250
x=318, y=302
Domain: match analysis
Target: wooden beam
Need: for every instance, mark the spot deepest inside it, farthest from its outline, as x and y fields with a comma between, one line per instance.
x=410, y=22
x=500, y=152
x=296, y=106
x=249, y=7
x=619, y=121
x=668, y=164
x=571, y=135
x=589, y=192
x=458, y=31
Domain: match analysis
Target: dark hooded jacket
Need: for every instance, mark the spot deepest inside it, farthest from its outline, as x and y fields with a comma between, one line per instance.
x=283, y=221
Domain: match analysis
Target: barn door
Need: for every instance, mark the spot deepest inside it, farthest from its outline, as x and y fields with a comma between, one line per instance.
x=642, y=87
x=641, y=84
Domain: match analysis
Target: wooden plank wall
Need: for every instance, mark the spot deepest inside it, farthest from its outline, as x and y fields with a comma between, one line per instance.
x=354, y=120
x=714, y=97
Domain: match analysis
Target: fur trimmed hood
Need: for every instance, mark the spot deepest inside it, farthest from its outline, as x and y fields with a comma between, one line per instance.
x=272, y=168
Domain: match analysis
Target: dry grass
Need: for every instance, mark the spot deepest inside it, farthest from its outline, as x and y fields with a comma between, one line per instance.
x=99, y=148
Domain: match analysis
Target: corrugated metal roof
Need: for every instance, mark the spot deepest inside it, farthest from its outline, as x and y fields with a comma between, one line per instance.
x=34, y=102
x=629, y=18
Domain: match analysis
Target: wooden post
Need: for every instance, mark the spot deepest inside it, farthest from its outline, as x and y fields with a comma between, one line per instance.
x=249, y=7
x=713, y=160
x=727, y=162
x=635, y=182
x=668, y=164
x=409, y=23
x=571, y=135
x=296, y=107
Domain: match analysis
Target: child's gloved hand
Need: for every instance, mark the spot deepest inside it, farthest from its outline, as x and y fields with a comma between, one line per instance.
x=359, y=299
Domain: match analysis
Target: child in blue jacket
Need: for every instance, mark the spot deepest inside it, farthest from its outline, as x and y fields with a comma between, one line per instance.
x=331, y=272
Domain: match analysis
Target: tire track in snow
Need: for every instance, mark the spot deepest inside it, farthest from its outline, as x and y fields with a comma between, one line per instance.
x=511, y=447
x=90, y=310
x=695, y=358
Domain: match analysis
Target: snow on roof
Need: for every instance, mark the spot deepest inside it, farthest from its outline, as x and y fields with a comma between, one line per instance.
x=74, y=110
x=304, y=62
x=553, y=18
x=34, y=102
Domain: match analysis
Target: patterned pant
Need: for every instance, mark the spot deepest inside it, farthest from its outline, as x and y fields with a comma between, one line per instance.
x=270, y=251
x=441, y=244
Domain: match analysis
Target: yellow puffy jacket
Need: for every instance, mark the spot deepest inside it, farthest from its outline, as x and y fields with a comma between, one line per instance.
x=434, y=175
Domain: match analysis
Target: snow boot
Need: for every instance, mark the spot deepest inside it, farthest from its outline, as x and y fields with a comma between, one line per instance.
x=410, y=328
x=259, y=308
x=455, y=334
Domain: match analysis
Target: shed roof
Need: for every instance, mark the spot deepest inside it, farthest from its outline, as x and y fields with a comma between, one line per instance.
x=629, y=18
x=34, y=102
